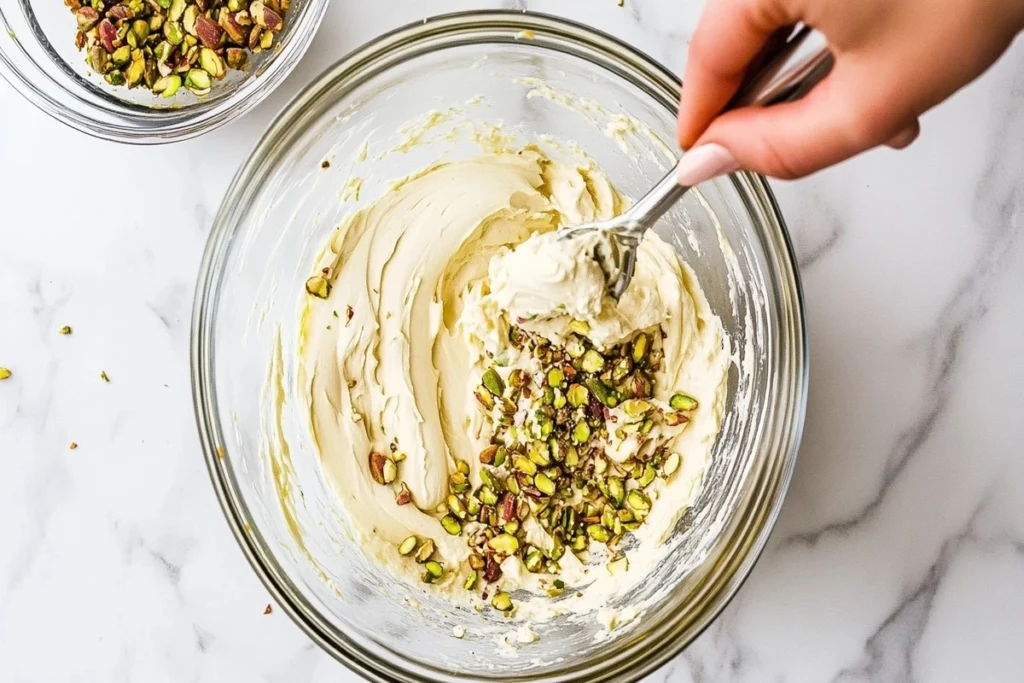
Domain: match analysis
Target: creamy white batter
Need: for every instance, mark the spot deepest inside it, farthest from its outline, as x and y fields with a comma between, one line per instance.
x=424, y=283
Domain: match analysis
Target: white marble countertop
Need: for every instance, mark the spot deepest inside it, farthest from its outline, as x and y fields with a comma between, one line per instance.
x=899, y=555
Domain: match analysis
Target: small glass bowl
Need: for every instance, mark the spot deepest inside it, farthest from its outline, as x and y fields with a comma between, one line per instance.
x=353, y=125
x=39, y=59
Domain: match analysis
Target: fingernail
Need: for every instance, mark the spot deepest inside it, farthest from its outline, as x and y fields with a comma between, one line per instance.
x=704, y=163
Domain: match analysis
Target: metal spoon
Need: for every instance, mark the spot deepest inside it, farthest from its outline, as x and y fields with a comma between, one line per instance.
x=793, y=62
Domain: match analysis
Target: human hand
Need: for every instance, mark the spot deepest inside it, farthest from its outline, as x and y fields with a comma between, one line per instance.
x=894, y=60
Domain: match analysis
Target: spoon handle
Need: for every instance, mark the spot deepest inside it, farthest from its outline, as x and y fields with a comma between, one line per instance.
x=792, y=63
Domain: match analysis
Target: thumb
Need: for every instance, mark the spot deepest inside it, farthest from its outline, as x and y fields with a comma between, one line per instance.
x=838, y=119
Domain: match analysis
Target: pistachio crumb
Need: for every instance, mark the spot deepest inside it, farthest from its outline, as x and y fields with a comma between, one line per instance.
x=103, y=376
x=72, y=446
x=4, y=373
x=65, y=330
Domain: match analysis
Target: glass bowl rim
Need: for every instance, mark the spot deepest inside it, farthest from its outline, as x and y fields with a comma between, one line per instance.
x=454, y=29
x=154, y=126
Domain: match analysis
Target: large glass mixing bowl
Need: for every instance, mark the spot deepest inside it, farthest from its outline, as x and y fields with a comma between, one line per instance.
x=540, y=77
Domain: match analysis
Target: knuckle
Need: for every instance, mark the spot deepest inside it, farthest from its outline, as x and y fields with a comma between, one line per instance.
x=779, y=163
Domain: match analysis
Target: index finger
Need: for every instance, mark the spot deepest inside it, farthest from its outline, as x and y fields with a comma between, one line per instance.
x=729, y=35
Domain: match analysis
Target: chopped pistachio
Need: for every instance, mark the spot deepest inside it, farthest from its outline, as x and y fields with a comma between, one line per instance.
x=618, y=566
x=682, y=402
x=198, y=82
x=540, y=454
x=103, y=376
x=433, y=571
x=425, y=551
x=492, y=382
x=65, y=330
x=592, y=361
x=574, y=347
x=544, y=484
x=502, y=601
x=456, y=506
x=524, y=465
x=451, y=525
x=581, y=432
x=555, y=377
x=317, y=285
x=638, y=501
x=647, y=477
x=598, y=533
x=471, y=580
x=640, y=346
x=601, y=391
x=532, y=560
x=484, y=397
x=4, y=373
x=674, y=419
x=408, y=545
x=559, y=399
x=635, y=407
x=504, y=543
x=616, y=490
x=671, y=465
x=580, y=327
x=167, y=86
x=578, y=395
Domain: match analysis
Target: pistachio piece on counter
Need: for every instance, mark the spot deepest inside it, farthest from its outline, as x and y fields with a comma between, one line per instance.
x=5, y=373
